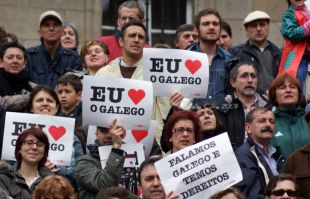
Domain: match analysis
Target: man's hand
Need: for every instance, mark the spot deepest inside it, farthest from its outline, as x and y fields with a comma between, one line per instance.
x=171, y=195
x=118, y=132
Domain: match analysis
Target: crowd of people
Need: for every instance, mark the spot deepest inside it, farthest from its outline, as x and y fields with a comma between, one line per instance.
x=258, y=93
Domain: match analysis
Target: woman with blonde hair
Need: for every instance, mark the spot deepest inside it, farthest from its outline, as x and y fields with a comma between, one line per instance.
x=54, y=187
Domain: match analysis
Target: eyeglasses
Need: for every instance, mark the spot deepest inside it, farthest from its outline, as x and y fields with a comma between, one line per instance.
x=30, y=143
x=181, y=130
x=280, y=192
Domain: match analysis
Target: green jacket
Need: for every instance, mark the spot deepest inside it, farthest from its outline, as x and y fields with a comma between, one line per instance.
x=290, y=29
x=92, y=178
x=291, y=130
x=15, y=185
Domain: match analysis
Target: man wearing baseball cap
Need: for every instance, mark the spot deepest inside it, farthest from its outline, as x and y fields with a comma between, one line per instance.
x=49, y=60
x=263, y=53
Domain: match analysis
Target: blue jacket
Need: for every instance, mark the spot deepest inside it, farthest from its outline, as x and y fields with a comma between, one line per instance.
x=255, y=170
x=218, y=76
x=45, y=71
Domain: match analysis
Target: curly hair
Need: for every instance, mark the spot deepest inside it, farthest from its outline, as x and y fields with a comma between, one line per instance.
x=53, y=185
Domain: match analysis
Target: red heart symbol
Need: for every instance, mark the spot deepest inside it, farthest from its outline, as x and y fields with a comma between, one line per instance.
x=139, y=134
x=192, y=66
x=136, y=95
x=57, y=132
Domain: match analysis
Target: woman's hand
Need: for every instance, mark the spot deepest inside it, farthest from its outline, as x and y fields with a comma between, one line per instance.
x=118, y=132
x=52, y=167
x=175, y=100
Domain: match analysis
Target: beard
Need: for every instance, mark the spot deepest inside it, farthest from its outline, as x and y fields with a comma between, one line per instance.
x=209, y=40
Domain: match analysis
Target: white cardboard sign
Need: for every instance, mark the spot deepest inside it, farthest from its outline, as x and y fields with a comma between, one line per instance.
x=173, y=70
x=129, y=101
x=134, y=154
x=60, y=131
x=146, y=137
x=200, y=170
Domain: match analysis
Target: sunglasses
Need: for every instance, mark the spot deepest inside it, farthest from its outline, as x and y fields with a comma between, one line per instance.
x=280, y=192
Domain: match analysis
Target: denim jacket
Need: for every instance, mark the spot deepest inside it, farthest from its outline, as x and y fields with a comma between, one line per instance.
x=218, y=76
x=44, y=70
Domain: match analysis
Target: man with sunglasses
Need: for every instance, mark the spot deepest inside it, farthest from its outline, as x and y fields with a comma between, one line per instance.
x=258, y=159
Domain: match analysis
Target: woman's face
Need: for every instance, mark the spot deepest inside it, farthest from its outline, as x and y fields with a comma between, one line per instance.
x=44, y=104
x=287, y=95
x=68, y=38
x=32, y=150
x=284, y=189
x=207, y=119
x=183, y=135
x=13, y=60
x=95, y=58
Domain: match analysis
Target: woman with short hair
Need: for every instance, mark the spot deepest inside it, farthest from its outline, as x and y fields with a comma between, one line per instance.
x=282, y=186
x=291, y=129
x=31, y=153
x=182, y=130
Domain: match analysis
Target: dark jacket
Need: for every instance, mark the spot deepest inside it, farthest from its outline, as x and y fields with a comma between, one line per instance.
x=14, y=84
x=92, y=178
x=298, y=164
x=255, y=170
x=246, y=52
x=234, y=118
x=13, y=183
x=218, y=76
x=44, y=70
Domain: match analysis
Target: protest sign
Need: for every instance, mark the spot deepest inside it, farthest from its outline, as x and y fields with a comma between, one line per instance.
x=134, y=156
x=173, y=70
x=146, y=137
x=129, y=101
x=60, y=131
x=200, y=170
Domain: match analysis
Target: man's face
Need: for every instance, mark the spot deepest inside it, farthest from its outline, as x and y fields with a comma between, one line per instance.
x=186, y=38
x=50, y=30
x=257, y=31
x=127, y=14
x=104, y=137
x=245, y=83
x=262, y=127
x=209, y=28
x=150, y=183
x=133, y=41
x=225, y=40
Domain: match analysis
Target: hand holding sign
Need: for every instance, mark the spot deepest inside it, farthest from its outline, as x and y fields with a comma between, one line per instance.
x=176, y=99
x=118, y=132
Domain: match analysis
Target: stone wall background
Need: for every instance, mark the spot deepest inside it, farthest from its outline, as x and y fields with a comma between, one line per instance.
x=21, y=16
